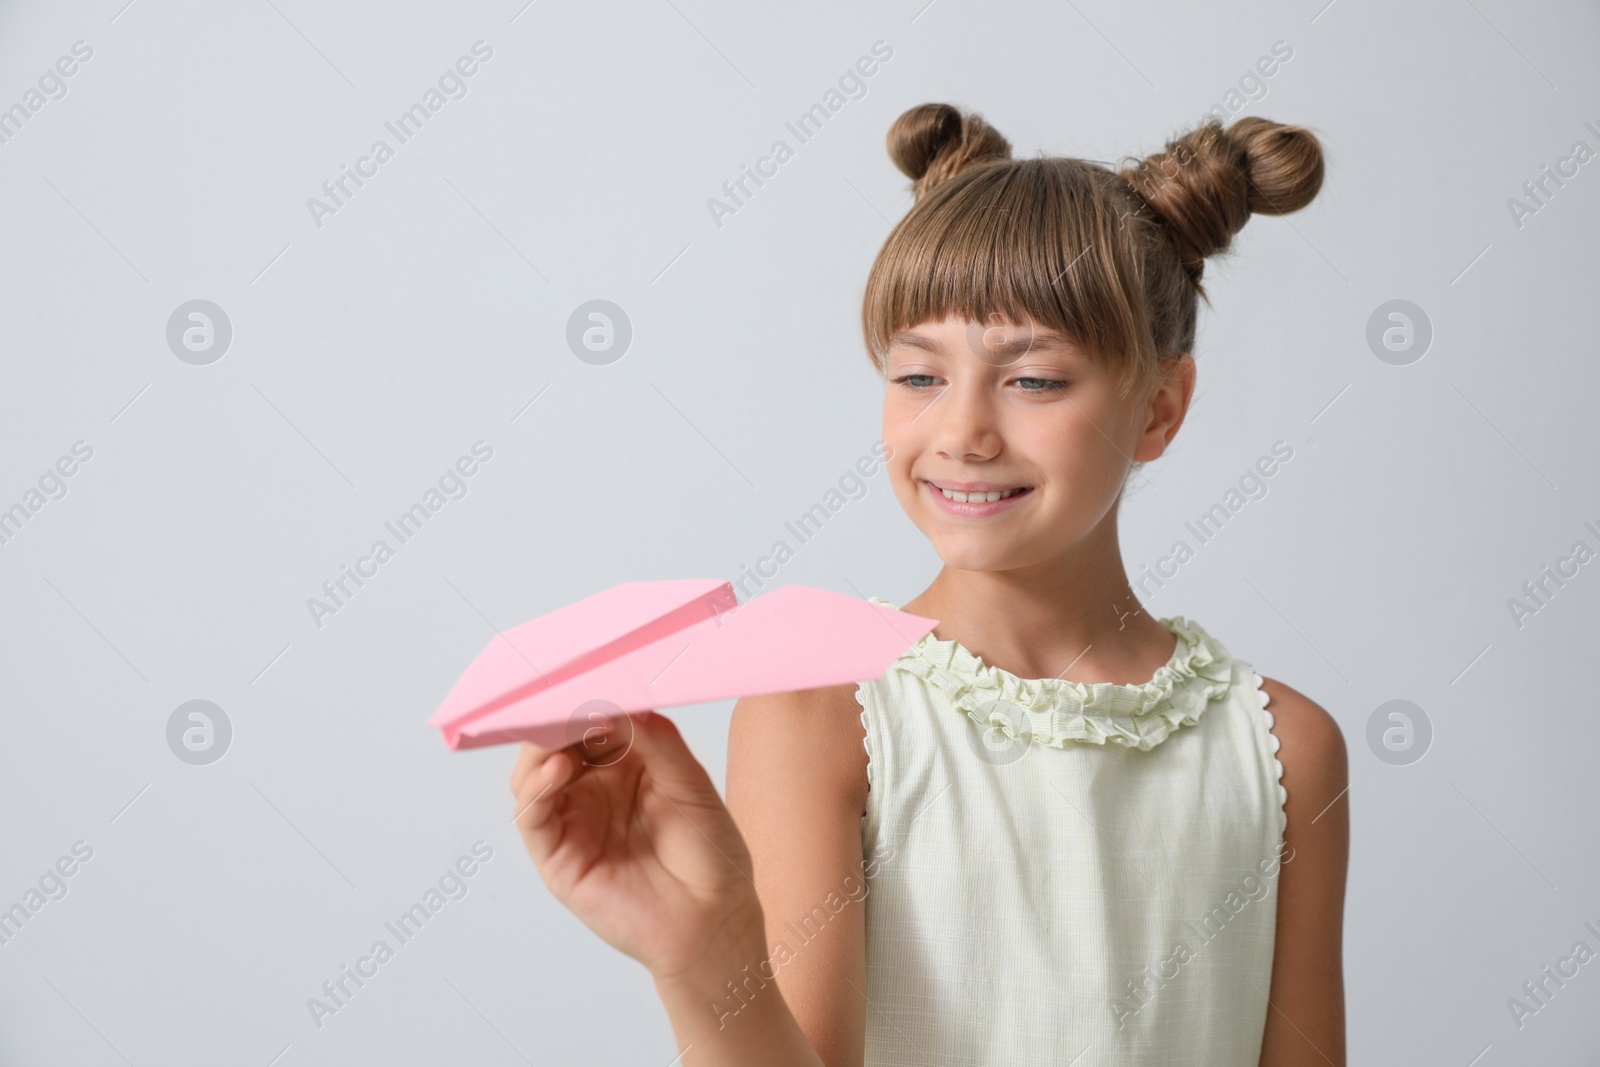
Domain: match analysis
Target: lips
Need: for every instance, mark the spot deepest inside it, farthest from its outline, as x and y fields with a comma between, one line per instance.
x=978, y=492
x=975, y=505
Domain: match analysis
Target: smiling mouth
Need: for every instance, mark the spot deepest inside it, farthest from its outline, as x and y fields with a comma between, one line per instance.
x=981, y=497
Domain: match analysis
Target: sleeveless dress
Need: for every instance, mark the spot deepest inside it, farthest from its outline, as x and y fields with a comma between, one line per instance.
x=1069, y=873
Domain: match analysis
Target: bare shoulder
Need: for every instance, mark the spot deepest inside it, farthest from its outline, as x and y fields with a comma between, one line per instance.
x=1306, y=1022
x=797, y=786
x=804, y=743
x=1310, y=746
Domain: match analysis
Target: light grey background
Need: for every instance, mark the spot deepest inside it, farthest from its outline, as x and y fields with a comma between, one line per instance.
x=431, y=312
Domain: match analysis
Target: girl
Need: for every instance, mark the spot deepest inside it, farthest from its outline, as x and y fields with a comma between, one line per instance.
x=1058, y=830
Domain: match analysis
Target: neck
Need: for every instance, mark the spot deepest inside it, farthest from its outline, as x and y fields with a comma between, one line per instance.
x=1074, y=616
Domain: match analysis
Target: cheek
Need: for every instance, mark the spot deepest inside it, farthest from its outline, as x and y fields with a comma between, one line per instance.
x=902, y=435
x=1082, y=451
x=898, y=469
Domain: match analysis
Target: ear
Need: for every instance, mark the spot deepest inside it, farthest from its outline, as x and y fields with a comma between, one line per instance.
x=1166, y=407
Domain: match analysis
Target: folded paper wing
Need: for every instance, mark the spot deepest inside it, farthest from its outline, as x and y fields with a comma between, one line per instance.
x=646, y=645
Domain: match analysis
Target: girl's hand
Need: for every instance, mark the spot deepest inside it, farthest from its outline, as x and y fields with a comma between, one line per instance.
x=641, y=848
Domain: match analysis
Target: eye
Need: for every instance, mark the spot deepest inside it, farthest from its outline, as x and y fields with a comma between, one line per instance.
x=1037, y=385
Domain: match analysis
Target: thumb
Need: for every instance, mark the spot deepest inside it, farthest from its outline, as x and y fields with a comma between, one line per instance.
x=666, y=756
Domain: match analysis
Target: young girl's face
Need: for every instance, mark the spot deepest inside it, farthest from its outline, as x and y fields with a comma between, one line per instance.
x=1007, y=407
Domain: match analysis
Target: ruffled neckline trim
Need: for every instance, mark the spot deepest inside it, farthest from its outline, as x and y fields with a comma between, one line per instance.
x=1055, y=711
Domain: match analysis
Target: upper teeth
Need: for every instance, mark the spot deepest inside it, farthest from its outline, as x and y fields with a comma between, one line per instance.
x=978, y=498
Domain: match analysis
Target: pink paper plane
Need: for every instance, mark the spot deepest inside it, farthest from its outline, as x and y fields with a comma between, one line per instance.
x=647, y=645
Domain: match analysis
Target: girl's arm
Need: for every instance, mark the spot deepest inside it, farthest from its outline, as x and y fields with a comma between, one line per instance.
x=1305, y=1013
x=797, y=784
x=642, y=849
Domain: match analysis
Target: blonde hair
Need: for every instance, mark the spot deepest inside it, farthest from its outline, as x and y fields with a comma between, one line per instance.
x=1110, y=258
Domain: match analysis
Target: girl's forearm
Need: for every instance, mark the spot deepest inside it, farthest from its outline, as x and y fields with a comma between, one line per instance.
x=726, y=1012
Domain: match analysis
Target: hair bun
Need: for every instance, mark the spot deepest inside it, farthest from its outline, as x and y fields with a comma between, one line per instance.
x=931, y=142
x=1206, y=184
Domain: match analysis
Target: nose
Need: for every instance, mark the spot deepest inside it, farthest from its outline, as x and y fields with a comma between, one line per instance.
x=967, y=428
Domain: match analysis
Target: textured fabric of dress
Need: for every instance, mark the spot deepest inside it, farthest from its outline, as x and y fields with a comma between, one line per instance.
x=1065, y=873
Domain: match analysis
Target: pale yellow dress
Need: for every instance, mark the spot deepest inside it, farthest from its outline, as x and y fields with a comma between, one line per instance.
x=1061, y=873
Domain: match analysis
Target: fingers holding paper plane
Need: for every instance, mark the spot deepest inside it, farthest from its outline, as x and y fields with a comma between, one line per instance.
x=641, y=849
x=625, y=826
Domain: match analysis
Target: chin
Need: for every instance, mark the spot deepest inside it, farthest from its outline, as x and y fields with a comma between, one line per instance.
x=977, y=553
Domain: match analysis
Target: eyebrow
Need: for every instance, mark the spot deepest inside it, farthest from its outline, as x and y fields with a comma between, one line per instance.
x=1039, y=340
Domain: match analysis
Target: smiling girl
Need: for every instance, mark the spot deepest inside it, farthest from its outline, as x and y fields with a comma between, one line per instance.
x=1058, y=830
